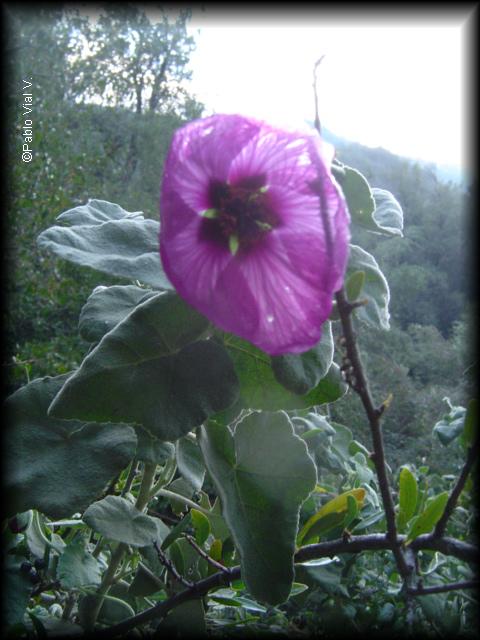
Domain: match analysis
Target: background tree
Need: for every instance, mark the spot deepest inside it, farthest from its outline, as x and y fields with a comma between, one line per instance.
x=82, y=149
x=127, y=59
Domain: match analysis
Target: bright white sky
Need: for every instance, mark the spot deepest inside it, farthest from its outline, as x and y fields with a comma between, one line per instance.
x=394, y=81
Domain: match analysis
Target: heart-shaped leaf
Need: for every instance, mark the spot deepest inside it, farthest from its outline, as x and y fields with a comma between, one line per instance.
x=263, y=473
x=118, y=519
x=107, y=306
x=77, y=567
x=55, y=466
x=148, y=371
x=107, y=238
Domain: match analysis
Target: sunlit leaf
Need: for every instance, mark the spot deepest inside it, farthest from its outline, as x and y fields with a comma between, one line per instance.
x=425, y=522
x=201, y=525
x=407, y=497
x=330, y=515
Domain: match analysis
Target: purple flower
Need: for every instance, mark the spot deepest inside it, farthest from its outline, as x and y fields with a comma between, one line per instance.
x=254, y=229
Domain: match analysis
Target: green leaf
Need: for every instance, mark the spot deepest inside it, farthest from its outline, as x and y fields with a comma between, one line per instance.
x=187, y=561
x=190, y=462
x=144, y=584
x=388, y=214
x=45, y=453
x=425, y=522
x=148, y=371
x=107, y=306
x=359, y=197
x=177, y=531
x=301, y=373
x=354, y=285
x=180, y=488
x=100, y=237
x=298, y=588
x=407, y=497
x=118, y=519
x=352, y=511
x=451, y=425
x=260, y=389
x=374, y=209
x=263, y=473
x=330, y=515
x=96, y=212
x=201, y=525
x=375, y=289
x=77, y=567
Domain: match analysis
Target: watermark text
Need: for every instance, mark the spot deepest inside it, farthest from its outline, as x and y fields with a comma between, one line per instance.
x=27, y=126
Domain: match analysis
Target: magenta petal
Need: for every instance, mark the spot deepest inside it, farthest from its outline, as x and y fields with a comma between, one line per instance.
x=283, y=157
x=202, y=151
x=267, y=265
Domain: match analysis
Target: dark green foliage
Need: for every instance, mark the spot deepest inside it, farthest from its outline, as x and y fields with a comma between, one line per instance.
x=146, y=359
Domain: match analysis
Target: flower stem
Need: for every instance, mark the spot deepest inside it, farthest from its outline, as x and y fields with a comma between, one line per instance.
x=117, y=555
x=166, y=476
x=182, y=499
x=144, y=493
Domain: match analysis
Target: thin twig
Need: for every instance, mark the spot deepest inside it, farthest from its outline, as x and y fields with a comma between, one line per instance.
x=360, y=385
x=205, y=555
x=355, y=544
x=441, y=588
x=164, y=516
x=168, y=564
x=457, y=490
x=315, y=95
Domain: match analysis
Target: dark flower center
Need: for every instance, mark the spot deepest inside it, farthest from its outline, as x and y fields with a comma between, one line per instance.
x=240, y=215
